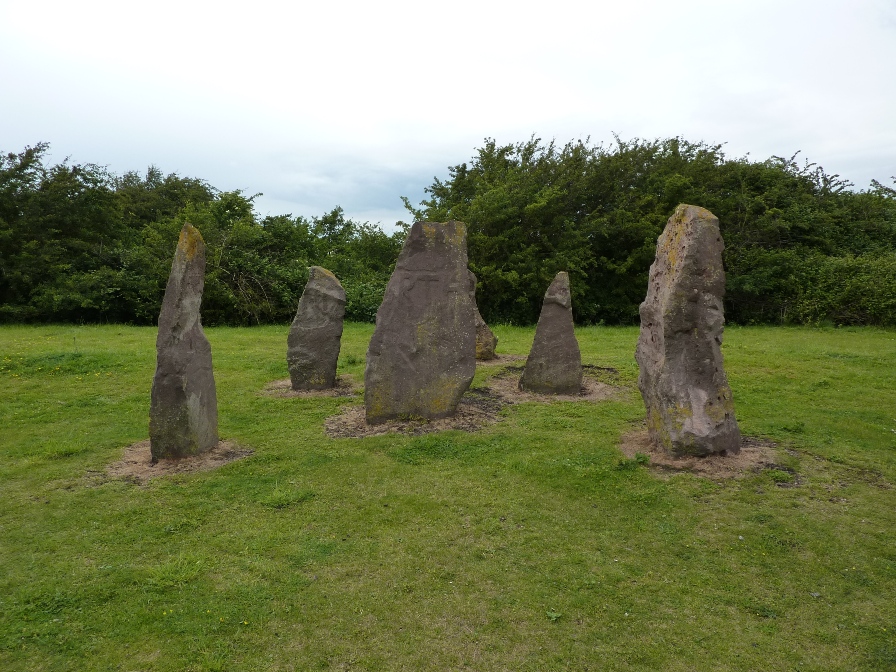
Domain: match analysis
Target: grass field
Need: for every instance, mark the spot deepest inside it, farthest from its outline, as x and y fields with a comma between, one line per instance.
x=529, y=545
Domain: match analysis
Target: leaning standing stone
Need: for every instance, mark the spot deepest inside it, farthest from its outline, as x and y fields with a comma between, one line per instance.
x=554, y=365
x=422, y=356
x=312, y=348
x=183, y=412
x=486, y=341
x=689, y=406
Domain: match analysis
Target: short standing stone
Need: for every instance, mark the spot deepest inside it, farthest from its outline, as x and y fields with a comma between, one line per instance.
x=183, y=412
x=689, y=406
x=422, y=356
x=554, y=365
x=312, y=348
x=486, y=341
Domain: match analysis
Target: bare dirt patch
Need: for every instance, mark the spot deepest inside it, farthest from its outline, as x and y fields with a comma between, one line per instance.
x=136, y=463
x=500, y=360
x=507, y=385
x=479, y=406
x=345, y=387
x=755, y=455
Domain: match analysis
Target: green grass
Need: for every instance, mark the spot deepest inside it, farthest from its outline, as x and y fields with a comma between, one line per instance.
x=530, y=545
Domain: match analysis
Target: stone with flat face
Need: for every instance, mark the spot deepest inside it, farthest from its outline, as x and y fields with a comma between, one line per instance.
x=422, y=356
x=183, y=412
x=690, y=410
x=312, y=348
x=554, y=365
x=486, y=341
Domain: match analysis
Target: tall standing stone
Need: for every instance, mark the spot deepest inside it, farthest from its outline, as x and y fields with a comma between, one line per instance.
x=554, y=365
x=312, y=347
x=422, y=356
x=689, y=406
x=183, y=412
x=486, y=341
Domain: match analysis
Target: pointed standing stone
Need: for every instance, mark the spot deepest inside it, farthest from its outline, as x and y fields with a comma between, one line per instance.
x=486, y=341
x=312, y=348
x=183, y=412
x=422, y=356
x=689, y=406
x=554, y=365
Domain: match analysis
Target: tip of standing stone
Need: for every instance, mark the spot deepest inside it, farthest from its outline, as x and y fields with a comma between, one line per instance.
x=190, y=240
x=559, y=292
x=684, y=212
x=451, y=232
x=317, y=271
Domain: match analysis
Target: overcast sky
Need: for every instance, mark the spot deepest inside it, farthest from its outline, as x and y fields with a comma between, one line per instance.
x=358, y=103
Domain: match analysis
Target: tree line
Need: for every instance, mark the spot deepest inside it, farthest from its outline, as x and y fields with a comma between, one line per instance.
x=80, y=244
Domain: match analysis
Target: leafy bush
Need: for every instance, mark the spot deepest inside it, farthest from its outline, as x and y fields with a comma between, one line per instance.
x=78, y=244
x=849, y=290
x=596, y=211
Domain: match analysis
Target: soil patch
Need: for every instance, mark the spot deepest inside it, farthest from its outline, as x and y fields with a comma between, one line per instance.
x=345, y=387
x=479, y=406
x=507, y=385
x=755, y=455
x=136, y=463
x=500, y=360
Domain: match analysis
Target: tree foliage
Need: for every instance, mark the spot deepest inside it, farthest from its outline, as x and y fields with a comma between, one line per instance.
x=80, y=244
x=596, y=211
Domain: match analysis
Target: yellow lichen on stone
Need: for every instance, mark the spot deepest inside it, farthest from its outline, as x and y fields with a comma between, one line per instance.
x=429, y=230
x=375, y=402
x=679, y=414
x=457, y=234
x=190, y=241
x=657, y=429
x=672, y=239
x=438, y=397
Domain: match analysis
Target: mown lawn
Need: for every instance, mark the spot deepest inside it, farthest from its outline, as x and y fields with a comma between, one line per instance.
x=529, y=545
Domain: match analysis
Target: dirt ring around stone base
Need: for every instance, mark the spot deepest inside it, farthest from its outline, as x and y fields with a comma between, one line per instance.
x=136, y=463
x=345, y=387
x=755, y=455
x=479, y=407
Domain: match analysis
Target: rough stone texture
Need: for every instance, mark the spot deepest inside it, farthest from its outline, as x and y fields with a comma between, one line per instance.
x=312, y=348
x=554, y=365
x=486, y=341
x=689, y=406
x=422, y=356
x=183, y=412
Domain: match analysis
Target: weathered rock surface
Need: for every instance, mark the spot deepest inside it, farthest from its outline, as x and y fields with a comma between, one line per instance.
x=183, y=412
x=422, y=356
x=689, y=405
x=312, y=347
x=554, y=365
x=486, y=341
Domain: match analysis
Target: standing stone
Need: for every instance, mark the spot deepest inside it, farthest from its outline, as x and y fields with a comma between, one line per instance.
x=312, y=348
x=183, y=411
x=422, y=356
x=554, y=365
x=689, y=406
x=486, y=341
